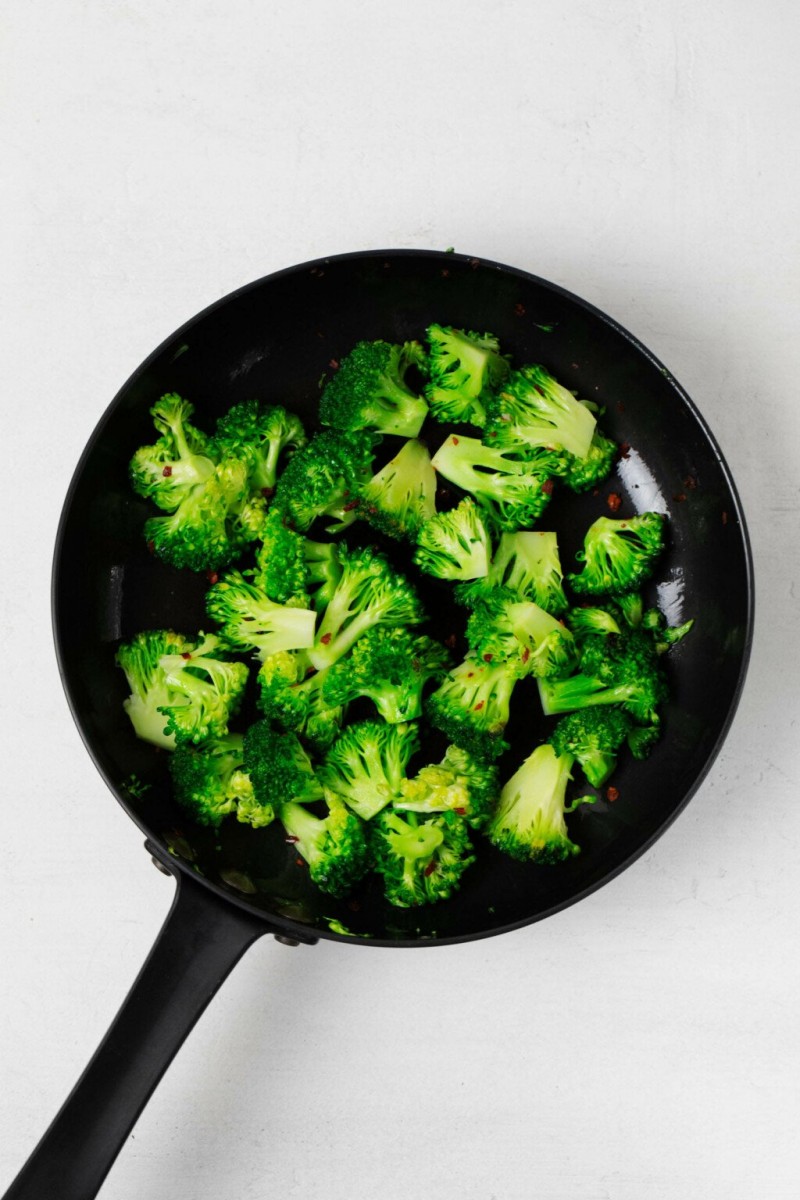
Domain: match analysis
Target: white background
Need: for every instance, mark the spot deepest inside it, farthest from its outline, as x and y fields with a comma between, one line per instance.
x=642, y=1045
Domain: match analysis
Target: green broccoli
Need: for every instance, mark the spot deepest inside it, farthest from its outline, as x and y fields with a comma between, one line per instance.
x=369, y=593
x=664, y=636
x=182, y=458
x=258, y=434
x=291, y=694
x=323, y=571
x=369, y=390
x=583, y=474
x=464, y=368
x=389, y=666
x=334, y=846
x=210, y=781
x=513, y=490
x=459, y=783
x=588, y=621
x=631, y=606
x=366, y=764
x=279, y=768
x=181, y=690
x=533, y=409
x=420, y=860
x=621, y=669
x=324, y=479
x=280, y=560
x=592, y=737
x=471, y=706
x=529, y=822
x=619, y=554
x=527, y=563
x=203, y=533
x=249, y=620
x=402, y=495
x=520, y=634
x=455, y=544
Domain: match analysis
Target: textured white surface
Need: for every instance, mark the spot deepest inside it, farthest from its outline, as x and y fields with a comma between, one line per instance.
x=643, y=1044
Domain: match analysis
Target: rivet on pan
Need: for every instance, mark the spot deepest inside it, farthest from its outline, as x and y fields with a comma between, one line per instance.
x=285, y=941
x=159, y=866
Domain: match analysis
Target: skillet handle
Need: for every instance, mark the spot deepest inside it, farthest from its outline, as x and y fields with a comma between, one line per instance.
x=201, y=940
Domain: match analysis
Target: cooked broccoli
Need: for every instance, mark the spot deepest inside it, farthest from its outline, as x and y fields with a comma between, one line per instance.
x=621, y=669
x=334, y=846
x=249, y=620
x=586, y=621
x=390, y=666
x=529, y=822
x=528, y=563
x=471, y=706
x=459, y=783
x=619, y=554
x=203, y=533
x=533, y=409
x=642, y=738
x=258, y=434
x=464, y=369
x=280, y=560
x=631, y=606
x=593, y=737
x=182, y=458
x=420, y=860
x=278, y=766
x=518, y=633
x=369, y=593
x=210, y=782
x=665, y=636
x=324, y=479
x=583, y=474
x=291, y=693
x=367, y=763
x=369, y=390
x=455, y=544
x=323, y=571
x=402, y=495
x=181, y=691
x=513, y=490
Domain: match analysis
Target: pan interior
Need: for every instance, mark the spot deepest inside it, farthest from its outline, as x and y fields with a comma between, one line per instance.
x=274, y=340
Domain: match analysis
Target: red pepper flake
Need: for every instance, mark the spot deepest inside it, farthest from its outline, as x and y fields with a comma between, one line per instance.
x=519, y=310
x=462, y=812
x=268, y=492
x=326, y=637
x=167, y=472
x=724, y=518
x=620, y=406
x=299, y=862
x=451, y=641
x=492, y=433
x=547, y=487
x=614, y=501
x=334, y=364
x=445, y=272
x=488, y=657
x=624, y=450
x=291, y=839
x=415, y=664
x=690, y=482
x=612, y=794
x=151, y=546
x=212, y=576
x=679, y=499
x=186, y=654
x=479, y=706
x=526, y=653
x=350, y=506
x=455, y=441
x=595, y=491
x=431, y=867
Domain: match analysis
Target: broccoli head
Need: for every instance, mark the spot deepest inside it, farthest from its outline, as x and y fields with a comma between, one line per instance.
x=402, y=495
x=258, y=434
x=455, y=544
x=209, y=781
x=280, y=560
x=204, y=533
x=583, y=474
x=529, y=822
x=389, y=666
x=664, y=636
x=334, y=846
x=471, y=706
x=249, y=620
x=420, y=859
x=619, y=554
x=324, y=479
x=593, y=737
x=521, y=635
x=460, y=783
x=291, y=694
x=511, y=488
x=182, y=458
x=528, y=563
x=278, y=766
x=622, y=669
x=464, y=369
x=533, y=409
x=589, y=621
x=369, y=390
x=366, y=764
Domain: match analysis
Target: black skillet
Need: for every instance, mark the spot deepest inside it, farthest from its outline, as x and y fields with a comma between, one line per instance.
x=275, y=339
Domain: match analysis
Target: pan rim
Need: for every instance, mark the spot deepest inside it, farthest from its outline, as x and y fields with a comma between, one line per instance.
x=274, y=922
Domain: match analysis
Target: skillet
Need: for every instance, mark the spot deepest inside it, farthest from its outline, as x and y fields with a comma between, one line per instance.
x=274, y=339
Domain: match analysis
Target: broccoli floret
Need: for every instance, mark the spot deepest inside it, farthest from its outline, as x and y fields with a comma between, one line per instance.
x=632, y=608
x=258, y=434
x=391, y=667
x=203, y=533
x=529, y=822
x=323, y=571
x=512, y=489
x=249, y=620
x=583, y=474
x=334, y=846
x=619, y=554
x=464, y=369
x=402, y=495
x=369, y=390
x=642, y=738
x=278, y=766
x=366, y=764
x=421, y=860
x=593, y=737
x=529, y=564
x=664, y=636
x=210, y=782
x=181, y=690
x=586, y=621
x=182, y=458
x=455, y=544
x=280, y=560
x=614, y=670
x=368, y=593
x=521, y=635
x=471, y=706
x=535, y=410
x=291, y=693
x=325, y=478
x=459, y=783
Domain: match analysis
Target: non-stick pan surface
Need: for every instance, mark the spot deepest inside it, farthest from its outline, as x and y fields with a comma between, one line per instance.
x=274, y=339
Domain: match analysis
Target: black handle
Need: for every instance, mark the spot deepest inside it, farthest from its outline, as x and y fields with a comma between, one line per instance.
x=202, y=938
